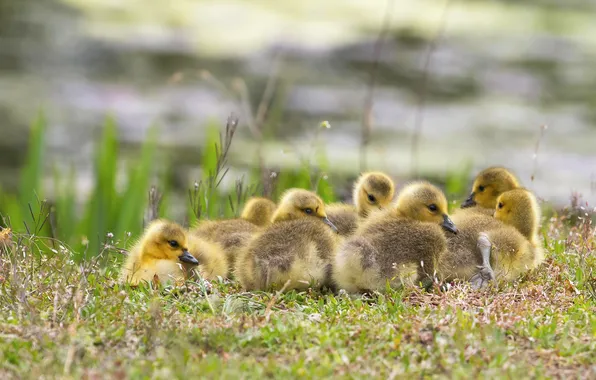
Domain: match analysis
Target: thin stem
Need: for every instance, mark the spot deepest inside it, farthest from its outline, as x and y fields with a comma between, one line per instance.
x=419, y=116
x=368, y=101
x=543, y=129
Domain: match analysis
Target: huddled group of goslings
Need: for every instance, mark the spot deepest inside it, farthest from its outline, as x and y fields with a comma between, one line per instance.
x=362, y=247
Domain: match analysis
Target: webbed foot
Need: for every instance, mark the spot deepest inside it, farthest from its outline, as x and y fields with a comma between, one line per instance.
x=485, y=273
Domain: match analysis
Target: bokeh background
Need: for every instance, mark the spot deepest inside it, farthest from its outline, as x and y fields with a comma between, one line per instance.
x=474, y=80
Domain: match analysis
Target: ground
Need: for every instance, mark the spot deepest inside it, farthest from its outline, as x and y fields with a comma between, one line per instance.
x=62, y=319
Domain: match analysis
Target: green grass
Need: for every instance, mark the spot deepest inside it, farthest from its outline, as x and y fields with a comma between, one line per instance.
x=60, y=318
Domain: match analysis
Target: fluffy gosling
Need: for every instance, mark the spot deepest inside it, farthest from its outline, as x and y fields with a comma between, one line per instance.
x=508, y=242
x=372, y=191
x=515, y=248
x=396, y=246
x=161, y=252
x=488, y=185
x=258, y=211
x=295, y=252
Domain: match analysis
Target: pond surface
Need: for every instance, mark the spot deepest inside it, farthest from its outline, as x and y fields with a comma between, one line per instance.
x=500, y=71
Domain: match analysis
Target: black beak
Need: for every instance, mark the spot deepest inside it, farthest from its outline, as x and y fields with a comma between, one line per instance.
x=328, y=222
x=186, y=257
x=469, y=202
x=448, y=224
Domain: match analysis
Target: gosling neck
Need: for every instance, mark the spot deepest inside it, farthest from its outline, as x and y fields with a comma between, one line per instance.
x=360, y=207
x=363, y=209
x=402, y=213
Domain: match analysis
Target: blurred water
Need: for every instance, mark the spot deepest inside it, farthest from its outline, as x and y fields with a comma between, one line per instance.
x=499, y=71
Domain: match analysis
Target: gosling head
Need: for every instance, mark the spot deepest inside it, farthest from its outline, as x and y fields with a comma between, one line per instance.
x=258, y=211
x=300, y=203
x=519, y=208
x=166, y=240
x=424, y=202
x=488, y=185
x=372, y=191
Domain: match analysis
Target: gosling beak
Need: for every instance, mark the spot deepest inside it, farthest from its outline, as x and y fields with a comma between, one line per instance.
x=186, y=257
x=469, y=202
x=328, y=222
x=448, y=224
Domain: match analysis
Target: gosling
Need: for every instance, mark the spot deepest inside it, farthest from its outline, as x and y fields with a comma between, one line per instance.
x=372, y=191
x=397, y=246
x=514, y=248
x=295, y=252
x=258, y=211
x=488, y=185
x=160, y=253
x=508, y=242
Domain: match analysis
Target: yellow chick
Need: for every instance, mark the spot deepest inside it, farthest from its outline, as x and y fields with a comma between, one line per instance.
x=508, y=242
x=297, y=249
x=372, y=191
x=463, y=259
x=488, y=185
x=396, y=246
x=515, y=248
x=211, y=257
x=258, y=211
x=161, y=252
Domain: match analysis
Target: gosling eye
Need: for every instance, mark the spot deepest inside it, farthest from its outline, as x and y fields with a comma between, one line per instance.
x=308, y=210
x=481, y=188
x=173, y=244
x=372, y=198
x=432, y=207
x=500, y=205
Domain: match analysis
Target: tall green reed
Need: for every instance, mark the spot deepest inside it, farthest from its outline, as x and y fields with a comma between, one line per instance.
x=27, y=211
x=108, y=209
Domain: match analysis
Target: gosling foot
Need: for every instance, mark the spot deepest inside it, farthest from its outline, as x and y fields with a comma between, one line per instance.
x=485, y=273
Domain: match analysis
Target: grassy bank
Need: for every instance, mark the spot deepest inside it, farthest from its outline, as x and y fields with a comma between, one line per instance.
x=63, y=319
